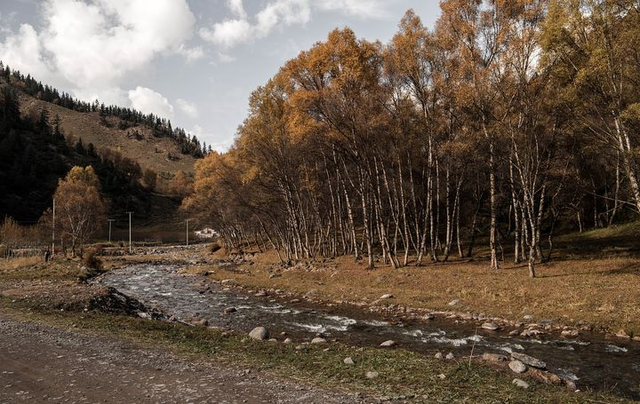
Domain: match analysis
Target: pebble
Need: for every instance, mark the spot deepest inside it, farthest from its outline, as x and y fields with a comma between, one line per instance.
x=259, y=334
x=318, y=340
x=521, y=383
x=450, y=356
x=387, y=296
x=388, y=344
x=438, y=355
x=372, y=375
x=348, y=361
x=287, y=341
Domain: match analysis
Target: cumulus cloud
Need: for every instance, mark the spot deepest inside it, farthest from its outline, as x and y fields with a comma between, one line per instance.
x=358, y=8
x=191, y=54
x=228, y=33
x=278, y=13
x=23, y=51
x=95, y=45
x=283, y=13
x=150, y=102
x=188, y=108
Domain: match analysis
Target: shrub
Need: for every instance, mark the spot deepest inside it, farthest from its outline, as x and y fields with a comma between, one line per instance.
x=91, y=260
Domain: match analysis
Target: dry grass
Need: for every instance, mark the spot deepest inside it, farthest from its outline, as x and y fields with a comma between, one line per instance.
x=601, y=292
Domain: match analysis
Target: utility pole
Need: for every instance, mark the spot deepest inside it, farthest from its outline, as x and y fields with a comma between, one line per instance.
x=110, y=220
x=130, y=246
x=53, y=228
x=188, y=232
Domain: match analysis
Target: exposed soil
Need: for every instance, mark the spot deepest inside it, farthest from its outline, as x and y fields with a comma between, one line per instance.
x=40, y=363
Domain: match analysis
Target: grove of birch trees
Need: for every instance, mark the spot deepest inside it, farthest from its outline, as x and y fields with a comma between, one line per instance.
x=509, y=121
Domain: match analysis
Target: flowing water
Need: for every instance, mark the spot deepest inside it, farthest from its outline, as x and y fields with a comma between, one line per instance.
x=592, y=361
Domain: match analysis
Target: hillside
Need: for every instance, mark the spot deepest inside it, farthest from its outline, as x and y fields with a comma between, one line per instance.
x=149, y=151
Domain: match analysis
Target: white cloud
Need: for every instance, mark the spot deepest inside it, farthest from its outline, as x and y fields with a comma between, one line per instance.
x=278, y=13
x=148, y=101
x=95, y=45
x=23, y=51
x=228, y=33
x=225, y=58
x=188, y=108
x=237, y=8
x=283, y=13
x=357, y=8
x=191, y=54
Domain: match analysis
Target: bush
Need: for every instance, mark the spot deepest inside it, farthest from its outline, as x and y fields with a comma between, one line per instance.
x=91, y=260
x=215, y=246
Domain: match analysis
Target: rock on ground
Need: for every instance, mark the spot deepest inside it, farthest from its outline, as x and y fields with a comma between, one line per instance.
x=529, y=360
x=259, y=334
x=521, y=383
x=388, y=344
x=517, y=366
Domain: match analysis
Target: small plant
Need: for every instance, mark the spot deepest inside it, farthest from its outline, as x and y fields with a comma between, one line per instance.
x=215, y=246
x=91, y=259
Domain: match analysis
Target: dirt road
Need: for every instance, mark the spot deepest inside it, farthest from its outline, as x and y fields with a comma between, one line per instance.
x=39, y=363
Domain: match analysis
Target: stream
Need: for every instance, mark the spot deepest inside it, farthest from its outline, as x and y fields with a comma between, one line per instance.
x=591, y=362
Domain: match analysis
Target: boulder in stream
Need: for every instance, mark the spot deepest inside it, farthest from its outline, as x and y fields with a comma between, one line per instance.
x=529, y=360
x=259, y=334
x=490, y=326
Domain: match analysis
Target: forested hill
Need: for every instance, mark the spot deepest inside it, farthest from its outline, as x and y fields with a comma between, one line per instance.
x=145, y=138
x=35, y=152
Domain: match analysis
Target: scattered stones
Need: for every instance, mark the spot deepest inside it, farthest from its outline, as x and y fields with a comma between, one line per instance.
x=517, y=366
x=450, y=356
x=261, y=293
x=529, y=332
x=428, y=317
x=348, y=361
x=387, y=296
x=490, y=326
x=622, y=334
x=372, y=375
x=529, y=360
x=259, y=334
x=318, y=340
x=570, y=333
x=520, y=383
x=388, y=344
x=513, y=333
x=492, y=357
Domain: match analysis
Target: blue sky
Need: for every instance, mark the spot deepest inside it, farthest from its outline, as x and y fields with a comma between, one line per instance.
x=193, y=61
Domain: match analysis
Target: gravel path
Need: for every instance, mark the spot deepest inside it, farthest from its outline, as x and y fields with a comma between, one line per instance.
x=39, y=363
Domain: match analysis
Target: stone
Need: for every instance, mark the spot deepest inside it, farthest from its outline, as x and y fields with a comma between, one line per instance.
x=259, y=334
x=490, y=326
x=492, y=357
x=438, y=355
x=520, y=383
x=348, y=361
x=287, y=341
x=261, y=293
x=318, y=340
x=517, y=366
x=450, y=356
x=387, y=296
x=570, y=333
x=513, y=333
x=529, y=360
x=229, y=310
x=442, y=376
x=388, y=344
x=372, y=375
x=454, y=302
x=273, y=340
x=528, y=317
x=623, y=334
